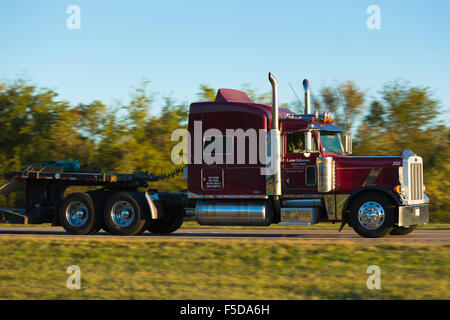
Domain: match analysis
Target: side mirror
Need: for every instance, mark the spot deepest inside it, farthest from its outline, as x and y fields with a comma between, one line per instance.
x=347, y=135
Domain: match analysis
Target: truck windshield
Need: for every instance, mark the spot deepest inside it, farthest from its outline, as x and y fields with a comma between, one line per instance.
x=331, y=142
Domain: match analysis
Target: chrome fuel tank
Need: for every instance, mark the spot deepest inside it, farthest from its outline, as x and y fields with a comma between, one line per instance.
x=233, y=213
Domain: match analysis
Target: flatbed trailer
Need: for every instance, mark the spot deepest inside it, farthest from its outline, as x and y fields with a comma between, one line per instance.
x=45, y=200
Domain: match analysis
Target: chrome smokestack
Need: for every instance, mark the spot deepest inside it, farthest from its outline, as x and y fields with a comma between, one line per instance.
x=307, y=97
x=273, y=180
x=274, y=84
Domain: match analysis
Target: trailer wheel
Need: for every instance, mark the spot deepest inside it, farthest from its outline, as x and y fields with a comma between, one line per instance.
x=125, y=214
x=78, y=214
x=401, y=231
x=172, y=221
x=372, y=215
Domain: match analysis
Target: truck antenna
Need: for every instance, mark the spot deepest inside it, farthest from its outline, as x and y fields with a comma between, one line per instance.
x=299, y=101
x=343, y=107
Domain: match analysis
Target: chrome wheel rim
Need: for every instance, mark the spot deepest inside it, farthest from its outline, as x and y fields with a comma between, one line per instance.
x=77, y=214
x=122, y=214
x=371, y=215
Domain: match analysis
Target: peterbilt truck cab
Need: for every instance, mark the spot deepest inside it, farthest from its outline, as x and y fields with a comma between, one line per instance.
x=314, y=177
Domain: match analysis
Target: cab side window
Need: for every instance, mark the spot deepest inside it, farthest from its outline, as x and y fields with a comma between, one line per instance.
x=295, y=143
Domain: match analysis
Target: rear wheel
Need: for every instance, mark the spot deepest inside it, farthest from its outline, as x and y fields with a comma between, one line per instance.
x=125, y=214
x=172, y=221
x=79, y=215
x=401, y=231
x=372, y=215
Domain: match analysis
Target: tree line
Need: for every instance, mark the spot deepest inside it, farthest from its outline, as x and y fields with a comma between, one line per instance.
x=37, y=125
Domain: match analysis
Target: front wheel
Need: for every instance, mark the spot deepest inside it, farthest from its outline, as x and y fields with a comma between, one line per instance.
x=372, y=215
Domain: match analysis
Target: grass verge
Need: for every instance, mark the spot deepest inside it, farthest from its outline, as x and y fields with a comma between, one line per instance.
x=35, y=268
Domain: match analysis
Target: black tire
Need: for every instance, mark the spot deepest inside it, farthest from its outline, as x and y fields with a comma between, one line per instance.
x=372, y=202
x=130, y=203
x=401, y=231
x=100, y=197
x=172, y=221
x=89, y=219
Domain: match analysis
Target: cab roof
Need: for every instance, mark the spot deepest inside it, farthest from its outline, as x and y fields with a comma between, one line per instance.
x=236, y=100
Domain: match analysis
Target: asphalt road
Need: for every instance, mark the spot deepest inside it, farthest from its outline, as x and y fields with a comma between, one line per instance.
x=417, y=236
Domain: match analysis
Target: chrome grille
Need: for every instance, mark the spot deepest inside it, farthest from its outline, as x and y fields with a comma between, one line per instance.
x=416, y=181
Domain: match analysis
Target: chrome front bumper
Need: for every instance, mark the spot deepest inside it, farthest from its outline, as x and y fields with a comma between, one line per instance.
x=413, y=214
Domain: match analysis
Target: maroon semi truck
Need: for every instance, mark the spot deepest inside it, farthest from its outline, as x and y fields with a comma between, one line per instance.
x=248, y=164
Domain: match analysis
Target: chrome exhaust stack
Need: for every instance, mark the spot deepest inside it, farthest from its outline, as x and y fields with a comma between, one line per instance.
x=308, y=135
x=307, y=96
x=274, y=84
x=273, y=179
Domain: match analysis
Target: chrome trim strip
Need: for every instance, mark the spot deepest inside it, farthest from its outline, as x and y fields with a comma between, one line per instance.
x=373, y=157
x=301, y=196
x=225, y=196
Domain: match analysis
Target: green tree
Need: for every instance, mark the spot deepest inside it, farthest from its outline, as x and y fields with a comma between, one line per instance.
x=345, y=102
x=405, y=118
x=206, y=93
x=330, y=98
x=375, y=117
x=36, y=127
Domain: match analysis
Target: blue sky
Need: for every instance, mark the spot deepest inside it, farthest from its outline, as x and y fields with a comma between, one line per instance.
x=179, y=44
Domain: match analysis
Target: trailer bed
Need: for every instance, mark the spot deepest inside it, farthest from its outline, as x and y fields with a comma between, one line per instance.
x=84, y=178
x=45, y=187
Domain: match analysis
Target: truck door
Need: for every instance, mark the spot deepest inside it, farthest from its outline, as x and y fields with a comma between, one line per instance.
x=299, y=168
